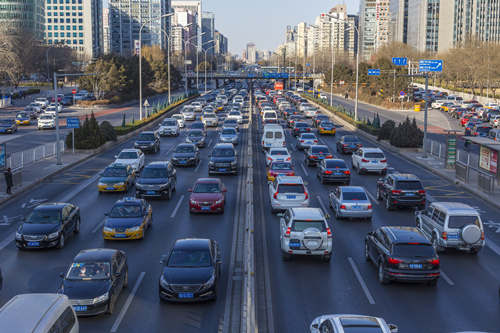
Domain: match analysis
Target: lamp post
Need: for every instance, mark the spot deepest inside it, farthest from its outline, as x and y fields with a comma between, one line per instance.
x=186, y=42
x=206, y=51
x=314, y=58
x=140, y=58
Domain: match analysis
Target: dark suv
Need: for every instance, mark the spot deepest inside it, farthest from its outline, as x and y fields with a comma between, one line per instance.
x=148, y=141
x=315, y=154
x=157, y=180
x=401, y=189
x=223, y=159
x=402, y=253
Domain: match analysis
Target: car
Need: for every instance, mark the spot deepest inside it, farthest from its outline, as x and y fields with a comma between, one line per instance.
x=277, y=155
x=8, y=126
x=169, y=127
x=300, y=127
x=196, y=136
x=95, y=280
x=46, y=121
x=133, y=157
x=279, y=168
x=333, y=171
x=191, y=271
x=269, y=117
x=197, y=106
x=286, y=192
x=67, y=100
x=116, y=178
x=231, y=123
x=350, y=202
x=401, y=190
x=305, y=231
x=188, y=113
x=157, y=180
x=223, y=159
x=33, y=107
x=186, y=154
x=306, y=140
x=210, y=119
x=42, y=101
x=345, y=323
x=292, y=119
x=198, y=125
x=402, y=253
x=48, y=225
x=348, y=144
x=23, y=118
x=180, y=119
x=208, y=195
x=481, y=129
x=229, y=135
x=315, y=153
x=318, y=118
x=369, y=160
x=148, y=141
x=236, y=115
x=327, y=127
x=128, y=219
x=452, y=225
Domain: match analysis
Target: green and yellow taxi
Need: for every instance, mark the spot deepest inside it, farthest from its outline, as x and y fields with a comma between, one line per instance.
x=327, y=127
x=116, y=178
x=128, y=219
x=22, y=118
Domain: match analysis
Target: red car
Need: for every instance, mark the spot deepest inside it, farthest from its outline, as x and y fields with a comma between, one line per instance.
x=208, y=195
x=279, y=168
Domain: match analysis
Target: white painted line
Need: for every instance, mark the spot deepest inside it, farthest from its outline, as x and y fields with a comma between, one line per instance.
x=80, y=188
x=177, y=206
x=361, y=281
x=198, y=166
x=7, y=241
x=325, y=210
x=493, y=247
x=447, y=279
x=209, y=143
x=129, y=300
x=304, y=168
x=374, y=200
x=98, y=226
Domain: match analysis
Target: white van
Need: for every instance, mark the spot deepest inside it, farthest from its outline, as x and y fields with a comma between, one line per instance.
x=38, y=313
x=270, y=117
x=273, y=136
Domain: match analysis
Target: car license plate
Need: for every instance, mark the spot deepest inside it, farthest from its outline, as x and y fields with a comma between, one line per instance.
x=268, y=145
x=33, y=244
x=453, y=236
x=120, y=236
x=186, y=295
x=80, y=308
x=150, y=192
x=110, y=188
x=205, y=208
x=294, y=244
x=222, y=169
x=409, y=194
x=338, y=173
x=415, y=266
x=357, y=207
x=374, y=161
x=322, y=157
x=291, y=196
x=182, y=162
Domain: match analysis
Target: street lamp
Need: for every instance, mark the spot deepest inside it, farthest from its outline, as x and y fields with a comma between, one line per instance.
x=206, y=51
x=197, y=53
x=186, y=42
x=314, y=57
x=140, y=57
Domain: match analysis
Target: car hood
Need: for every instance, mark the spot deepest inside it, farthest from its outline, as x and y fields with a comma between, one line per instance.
x=78, y=289
x=206, y=196
x=141, y=142
x=120, y=222
x=183, y=155
x=127, y=162
x=108, y=180
x=187, y=275
x=228, y=136
x=195, y=138
x=222, y=159
x=151, y=181
x=38, y=229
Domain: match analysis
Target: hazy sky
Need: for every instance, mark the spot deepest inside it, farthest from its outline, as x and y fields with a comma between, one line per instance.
x=264, y=21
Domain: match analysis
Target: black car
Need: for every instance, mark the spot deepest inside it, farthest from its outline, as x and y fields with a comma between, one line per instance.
x=95, y=280
x=300, y=127
x=401, y=189
x=223, y=159
x=8, y=126
x=148, y=141
x=198, y=125
x=402, y=253
x=315, y=154
x=48, y=225
x=288, y=112
x=157, y=180
x=186, y=154
x=197, y=137
x=191, y=271
x=348, y=144
x=334, y=171
x=317, y=119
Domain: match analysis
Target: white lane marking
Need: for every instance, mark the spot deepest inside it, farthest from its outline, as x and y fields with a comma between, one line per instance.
x=374, y=200
x=80, y=188
x=493, y=247
x=177, y=206
x=361, y=281
x=129, y=300
x=304, y=168
x=98, y=226
x=293, y=147
x=7, y=241
x=447, y=279
x=209, y=143
x=325, y=210
x=198, y=166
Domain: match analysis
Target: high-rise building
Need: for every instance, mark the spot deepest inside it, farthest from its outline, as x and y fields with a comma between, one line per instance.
x=23, y=16
x=184, y=28
x=399, y=20
x=195, y=9
x=375, y=18
x=126, y=17
x=221, y=44
x=77, y=25
x=291, y=34
x=423, y=24
x=106, y=34
x=312, y=40
x=301, y=42
x=251, y=53
x=208, y=32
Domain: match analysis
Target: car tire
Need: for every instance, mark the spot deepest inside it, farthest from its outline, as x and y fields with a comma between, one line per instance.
x=474, y=251
x=367, y=255
x=125, y=281
x=432, y=283
x=286, y=256
x=380, y=274
x=322, y=179
x=77, y=226
x=326, y=258
x=169, y=193
x=388, y=205
x=61, y=242
x=111, y=307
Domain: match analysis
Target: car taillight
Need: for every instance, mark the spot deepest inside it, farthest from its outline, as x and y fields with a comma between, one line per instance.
x=364, y=160
x=482, y=235
x=328, y=172
x=329, y=156
x=275, y=195
x=315, y=141
x=383, y=161
x=307, y=195
x=288, y=231
x=344, y=145
x=342, y=206
x=329, y=233
x=269, y=159
x=421, y=191
x=288, y=158
x=308, y=129
x=347, y=172
x=434, y=262
x=262, y=142
x=314, y=156
x=370, y=206
x=444, y=235
x=394, y=261
x=291, y=173
x=301, y=140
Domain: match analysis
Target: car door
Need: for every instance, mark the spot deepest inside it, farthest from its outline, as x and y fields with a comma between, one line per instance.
x=141, y=160
x=272, y=188
x=116, y=280
x=336, y=198
x=122, y=272
x=172, y=175
x=67, y=224
x=379, y=249
x=284, y=224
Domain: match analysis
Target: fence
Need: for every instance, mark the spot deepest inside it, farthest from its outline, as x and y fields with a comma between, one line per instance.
x=19, y=160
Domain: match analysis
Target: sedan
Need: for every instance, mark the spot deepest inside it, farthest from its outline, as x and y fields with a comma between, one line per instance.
x=293, y=118
x=94, y=281
x=208, y=195
x=8, y=126
x=23, y=118
x=348, y=144
x=186, y=154
x=133, y=157
x=300, y=127
x=314, y=154
x=345, y=323
x=334, y=171
x=320, y=118
x=277, y=155
x=128, y=219
x=326, y=127
x=196, y=136
x=279, y=168
x=231, y=123
x=229, y=135
x=306, y=140
x=116, y=178
x=350, y=202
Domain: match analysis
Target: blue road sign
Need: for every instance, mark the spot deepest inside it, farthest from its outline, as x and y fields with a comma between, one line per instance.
x=308, y=65
x=374, y=72
x=72, y=123
x=400, y=61
x=430, y=66
x=402, y=93
x=284, y=75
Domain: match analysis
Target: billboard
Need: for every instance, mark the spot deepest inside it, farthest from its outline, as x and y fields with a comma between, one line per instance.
x=488, y=159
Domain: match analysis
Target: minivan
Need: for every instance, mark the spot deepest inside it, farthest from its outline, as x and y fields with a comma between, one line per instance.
x=270, y=117
x=38, y=313
x=273, y=136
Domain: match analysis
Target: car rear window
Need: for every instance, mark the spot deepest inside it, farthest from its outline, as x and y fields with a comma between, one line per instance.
x=374, y=155
x=308, y=136
x=409, y=185
x=279, y=152
x=460, y=221
x=278, y=135
x=354, y=196
x=413, y=250
x=300, y=124
x=319, y=150
x=300, y=226
x=335, y=164
x=291, y=188
x=281, y=166
x=350, y=139
x=269, y=135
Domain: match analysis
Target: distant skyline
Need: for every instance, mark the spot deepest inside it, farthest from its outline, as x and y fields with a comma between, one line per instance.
x=264, y=22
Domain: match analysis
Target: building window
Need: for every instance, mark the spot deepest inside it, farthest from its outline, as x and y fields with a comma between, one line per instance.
x=81, y=41
x=49, y=34
x=50, y=41
x=68, y=27
x=61, y=27
x=74, y=27
x=68, y=20
x=49, y=20
x=74, y=34
x=74, y=41
x=56, y=34
x=74, y=20
x=80, y=27
x=73, y=8
x=55, y=20
x=80, y=34
x=49, y=14
x=80, y=20
x=62, y=34
x=80, y=7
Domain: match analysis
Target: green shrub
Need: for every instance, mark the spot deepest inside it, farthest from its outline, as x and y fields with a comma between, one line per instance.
x=407, y=135
x=108, y=131
x=386, y=130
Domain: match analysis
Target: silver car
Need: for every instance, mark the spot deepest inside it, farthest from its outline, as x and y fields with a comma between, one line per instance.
x=350, y=202
x=288, y=191
x=188, y=113
x=340, y=323
x=306, y=140
x=229, y=135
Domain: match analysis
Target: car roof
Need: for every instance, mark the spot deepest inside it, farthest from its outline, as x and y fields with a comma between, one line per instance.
x=147, y=132
x=404, y=176
x=207, y=180
x=454, y=207
x=130, y=150
x=128, y=200
x=192, y=243
x=405, y=234
x=307, y=213
x=289, y=179
x=95, y=255
x=320, y=146
x=371, y=150
x=352, y=189
x=52, y=205
x=224, y=145
x=186, y=144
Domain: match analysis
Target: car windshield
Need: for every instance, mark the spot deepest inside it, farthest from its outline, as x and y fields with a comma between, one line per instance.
x=154, y=173
x=146, y=137
x=374, y=155
x=121, y=210
x=195, y=133
x=42, y=117
x=279, y=152
x=184, y=149
x=335, y=164
x=350, y=139
x=354, y=196
x=206, y=188
x=229, y=131
x=197, y=126
x=170, y=123
x=44, y=216
x=291, y=188
x=281, y=166
x=223, y=152
x=300, y=226
x=115, y=172
x=189, y=258
x=414, y=250
x=21, y=115
x=319, y=150
x=326, y=124
x=210, y=115
x=88, y=271
x=409, y=185
x=230, y=121
x=361, y=328
x=459, y=221
x=308, y=136
x=127, y=155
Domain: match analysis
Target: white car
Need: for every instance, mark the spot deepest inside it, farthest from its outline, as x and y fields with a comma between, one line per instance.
x=495, y=120
x=277, y=155
x=236, y=115
x=197, y=106
x=58, y=105
x=133, y=157
x=369, y=160
x=46, y=121
x=340, y=323
x=169, y=127
x=188, y=113
x=288, y=191
x=437, y=104
x=50, y=110
x=210, y=119
x=310, y=112
x=180, y=119
x=42, y=101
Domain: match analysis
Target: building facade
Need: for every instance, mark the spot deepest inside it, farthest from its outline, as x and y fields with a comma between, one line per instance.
x=221, y=44
x=194, y=8
x=208, y=32
x=375, y=23
x=301, y=43
x=423, y=25
x=19, y=15
x=184, y=28
x=251, y=53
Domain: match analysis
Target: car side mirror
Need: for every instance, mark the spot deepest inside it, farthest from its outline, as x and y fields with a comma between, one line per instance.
x=393, y=328
x=61, y=275
x=106, y=214
x=280, y=214
x=190, y=190
x=163, y=259
x=327, y=216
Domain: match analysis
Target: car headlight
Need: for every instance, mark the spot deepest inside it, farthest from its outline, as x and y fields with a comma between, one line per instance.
x=164, y=282
x=139, y=186
x=101, y=298
x=53, y=235
x=134, y=229
x=108, y=229
x=233, y=163
x=163, y=186
x=210, y=282
x=211, y=163
x=18, y=235
x=218, y=202
x=193, y=202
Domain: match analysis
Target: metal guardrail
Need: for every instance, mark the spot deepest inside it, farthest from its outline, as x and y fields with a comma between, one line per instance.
x=485, y=181
x=18, y=160
x=461, y=171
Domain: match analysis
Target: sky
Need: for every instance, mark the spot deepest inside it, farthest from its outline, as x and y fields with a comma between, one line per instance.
x=264, y=21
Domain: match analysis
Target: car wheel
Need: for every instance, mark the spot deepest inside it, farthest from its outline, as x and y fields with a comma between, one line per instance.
x=111, y=307
x=286, y=256
x=367, y=253
x=326, y=258
x=77, y=226
x=60, y=245
x=381, y=275
x=169, y=193
x=432, y=283
x=388, y=205
x=474, y=251
x=125, y=281
x=322, y=179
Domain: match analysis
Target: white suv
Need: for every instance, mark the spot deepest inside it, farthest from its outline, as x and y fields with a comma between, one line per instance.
x=369, y=160
x=188, y=113
x=169, y=127
x=288, y=191
x=46, y=121
x=305, y=231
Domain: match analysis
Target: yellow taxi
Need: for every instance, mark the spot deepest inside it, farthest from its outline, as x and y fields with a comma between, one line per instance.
x=327, y=127
x=116, y=178
x=22, y=118
x=128, y=219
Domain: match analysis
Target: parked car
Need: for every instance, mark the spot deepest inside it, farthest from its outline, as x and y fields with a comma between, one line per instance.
x=401, y=190
x=286, y=192
x=128, y=219
x=223, y=159
x=348, y=144
x=186, y=154
x=350, y=202
x=148, y=141
x=157, y=180
x=334, y=171
x=208, y=195
x=369, y=160
x=343, y=323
